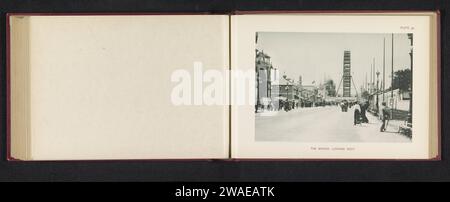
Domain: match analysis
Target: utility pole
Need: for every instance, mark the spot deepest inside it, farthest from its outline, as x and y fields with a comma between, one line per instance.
x=257, y=90
x=384, y=65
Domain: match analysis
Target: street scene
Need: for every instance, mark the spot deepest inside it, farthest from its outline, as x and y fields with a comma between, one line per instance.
x=333, y=87
x=334, y=126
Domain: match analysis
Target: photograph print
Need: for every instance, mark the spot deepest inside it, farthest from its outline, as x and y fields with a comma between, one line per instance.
x=333, y=87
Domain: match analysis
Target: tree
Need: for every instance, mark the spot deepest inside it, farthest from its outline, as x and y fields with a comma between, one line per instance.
x=330, y=87
x=402, y=80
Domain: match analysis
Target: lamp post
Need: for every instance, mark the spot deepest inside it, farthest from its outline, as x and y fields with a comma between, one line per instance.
x=257, y=91
x=257, y=81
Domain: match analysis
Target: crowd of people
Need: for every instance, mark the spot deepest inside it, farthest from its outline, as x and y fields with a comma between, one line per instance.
x=287, y=105
x=361, y=109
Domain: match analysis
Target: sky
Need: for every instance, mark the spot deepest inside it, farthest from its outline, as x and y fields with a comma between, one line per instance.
x=316, y=56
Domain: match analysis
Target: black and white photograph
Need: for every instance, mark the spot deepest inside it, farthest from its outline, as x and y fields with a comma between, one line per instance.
x=333, y=87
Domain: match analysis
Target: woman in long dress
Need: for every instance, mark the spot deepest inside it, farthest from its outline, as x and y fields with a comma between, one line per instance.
x=357, y=115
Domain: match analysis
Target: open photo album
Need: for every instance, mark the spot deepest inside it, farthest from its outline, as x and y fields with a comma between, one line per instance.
x=250, y=85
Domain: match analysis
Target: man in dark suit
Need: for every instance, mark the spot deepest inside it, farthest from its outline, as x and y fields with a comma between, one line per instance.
x=385, y=116
x=364, y=107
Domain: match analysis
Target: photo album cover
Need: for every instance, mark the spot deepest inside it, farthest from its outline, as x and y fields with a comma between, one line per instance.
x=245, y=86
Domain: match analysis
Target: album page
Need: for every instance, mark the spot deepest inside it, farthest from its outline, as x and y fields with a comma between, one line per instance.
x=117, y=87
x=334, y=86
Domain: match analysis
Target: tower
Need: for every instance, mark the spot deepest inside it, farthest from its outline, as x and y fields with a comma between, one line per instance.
x=347, y=77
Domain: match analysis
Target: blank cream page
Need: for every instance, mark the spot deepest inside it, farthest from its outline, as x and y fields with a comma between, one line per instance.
x=101, y=87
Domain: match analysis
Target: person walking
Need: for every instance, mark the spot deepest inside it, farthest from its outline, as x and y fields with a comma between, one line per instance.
x=385, y=116
x=357, y=115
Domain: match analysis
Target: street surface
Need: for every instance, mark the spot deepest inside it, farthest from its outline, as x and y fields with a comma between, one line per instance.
x=323, y=124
